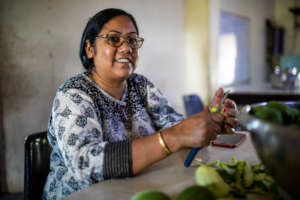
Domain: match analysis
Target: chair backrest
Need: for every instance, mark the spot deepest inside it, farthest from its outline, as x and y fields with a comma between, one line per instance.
x=192, y=104
x=37, y=165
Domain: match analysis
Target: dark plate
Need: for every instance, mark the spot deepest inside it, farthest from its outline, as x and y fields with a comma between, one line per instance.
x=277, y=146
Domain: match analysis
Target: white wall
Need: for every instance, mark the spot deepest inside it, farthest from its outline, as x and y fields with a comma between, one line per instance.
x=39, y=43
x=257, y=11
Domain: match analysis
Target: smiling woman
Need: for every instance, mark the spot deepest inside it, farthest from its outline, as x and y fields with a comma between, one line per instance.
x=110, y=122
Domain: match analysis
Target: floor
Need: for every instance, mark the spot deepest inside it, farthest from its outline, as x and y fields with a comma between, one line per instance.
x=18, y=196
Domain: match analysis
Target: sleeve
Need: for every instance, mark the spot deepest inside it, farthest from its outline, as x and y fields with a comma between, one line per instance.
x=79, y=136
x=162, y=113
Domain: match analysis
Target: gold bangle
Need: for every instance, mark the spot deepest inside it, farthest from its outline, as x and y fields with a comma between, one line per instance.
x=163, y=144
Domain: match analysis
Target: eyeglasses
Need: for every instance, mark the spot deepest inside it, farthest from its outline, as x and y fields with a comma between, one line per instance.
x=116, y=40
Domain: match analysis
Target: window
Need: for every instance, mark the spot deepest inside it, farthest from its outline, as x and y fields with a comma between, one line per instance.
x=233, y=61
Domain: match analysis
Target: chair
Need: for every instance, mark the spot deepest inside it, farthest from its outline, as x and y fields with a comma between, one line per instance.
x=192, y=104
x=36, y=165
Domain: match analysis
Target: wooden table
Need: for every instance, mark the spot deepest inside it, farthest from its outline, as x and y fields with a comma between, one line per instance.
x=168, y=175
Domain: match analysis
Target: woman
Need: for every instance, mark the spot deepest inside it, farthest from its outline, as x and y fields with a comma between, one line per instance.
x=110, y=122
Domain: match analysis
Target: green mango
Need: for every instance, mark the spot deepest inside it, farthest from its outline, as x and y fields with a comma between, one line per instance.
x=270, y=114
x=196, y=193
x=150, y=194
x=277, y=106
x=289, y=115
x=207, y=176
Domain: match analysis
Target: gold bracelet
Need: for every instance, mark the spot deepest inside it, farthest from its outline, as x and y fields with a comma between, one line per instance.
x=163, y=144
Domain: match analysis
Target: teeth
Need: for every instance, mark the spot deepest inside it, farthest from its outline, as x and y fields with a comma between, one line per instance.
x=123, y=60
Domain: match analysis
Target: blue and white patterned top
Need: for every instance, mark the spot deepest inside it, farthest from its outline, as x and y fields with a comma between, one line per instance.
x=91, y=132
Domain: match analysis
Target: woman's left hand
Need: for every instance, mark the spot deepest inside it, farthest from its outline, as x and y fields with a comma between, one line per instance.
x=230, y=112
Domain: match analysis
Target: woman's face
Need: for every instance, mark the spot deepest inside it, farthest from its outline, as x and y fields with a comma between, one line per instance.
x=115, y=63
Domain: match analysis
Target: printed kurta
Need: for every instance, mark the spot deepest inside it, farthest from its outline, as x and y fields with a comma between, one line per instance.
x=91, y=132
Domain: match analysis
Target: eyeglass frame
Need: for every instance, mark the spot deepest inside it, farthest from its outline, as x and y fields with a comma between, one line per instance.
x=105, y=36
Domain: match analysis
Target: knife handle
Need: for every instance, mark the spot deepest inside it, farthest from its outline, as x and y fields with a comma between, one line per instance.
x=191, y=156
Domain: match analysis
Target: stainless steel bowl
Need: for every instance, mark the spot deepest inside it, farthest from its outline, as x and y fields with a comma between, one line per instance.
x=277, y=146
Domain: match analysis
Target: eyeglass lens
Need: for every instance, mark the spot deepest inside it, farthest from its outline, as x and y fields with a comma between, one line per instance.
x=116, y=40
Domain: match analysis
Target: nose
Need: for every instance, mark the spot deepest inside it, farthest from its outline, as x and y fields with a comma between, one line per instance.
x=125, y=47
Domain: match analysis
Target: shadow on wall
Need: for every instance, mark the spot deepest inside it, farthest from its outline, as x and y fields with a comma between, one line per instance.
x=16, y=74
x=3, y=180
x=16, y=86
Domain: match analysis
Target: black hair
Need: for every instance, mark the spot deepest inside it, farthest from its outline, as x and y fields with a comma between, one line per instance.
x=94, y=26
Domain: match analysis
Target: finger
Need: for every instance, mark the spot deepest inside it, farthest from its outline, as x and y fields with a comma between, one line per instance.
x=228, y=103
x=229, y=112
x=231, y=122
x=228, y=129
x=213, y=136
x=207, y=142
x=217, y=117
x=216, y=128
x=217, y=97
